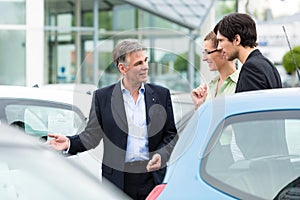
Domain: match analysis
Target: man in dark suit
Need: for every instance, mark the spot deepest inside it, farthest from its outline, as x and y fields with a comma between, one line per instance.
x=135, y=121
x=237, y=38
x=236, y=34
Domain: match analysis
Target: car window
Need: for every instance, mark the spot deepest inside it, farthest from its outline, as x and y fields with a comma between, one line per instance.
x=254, y=155
x=40, y=120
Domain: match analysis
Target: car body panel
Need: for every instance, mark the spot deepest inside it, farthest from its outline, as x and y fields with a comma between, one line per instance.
x=25, y=174
x=184, y=174
x=183, y=108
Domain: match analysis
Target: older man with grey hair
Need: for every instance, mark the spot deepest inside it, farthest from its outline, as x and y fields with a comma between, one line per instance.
x=135, y=121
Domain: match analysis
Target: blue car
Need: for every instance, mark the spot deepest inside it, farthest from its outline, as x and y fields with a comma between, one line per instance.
x=243, y=146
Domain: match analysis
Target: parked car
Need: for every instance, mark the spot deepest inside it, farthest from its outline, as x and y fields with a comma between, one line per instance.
x=77, y=87
x=244, y=146
x=20, y=103
x=183, y=108
x=25, y=174
x=65, y=109
x=38, y=111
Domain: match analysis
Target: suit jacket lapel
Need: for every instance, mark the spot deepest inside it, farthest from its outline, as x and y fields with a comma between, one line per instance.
x=150, y=100
x=154, y=113
x=118, y=109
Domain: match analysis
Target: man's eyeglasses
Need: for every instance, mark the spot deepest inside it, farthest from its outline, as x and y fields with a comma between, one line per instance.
x=209, y=52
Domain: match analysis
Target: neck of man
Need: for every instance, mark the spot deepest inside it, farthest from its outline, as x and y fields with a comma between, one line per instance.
x=244, y=53
x=133, y=88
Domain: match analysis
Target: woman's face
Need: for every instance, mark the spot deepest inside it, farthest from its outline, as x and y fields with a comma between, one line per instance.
x=212, y=56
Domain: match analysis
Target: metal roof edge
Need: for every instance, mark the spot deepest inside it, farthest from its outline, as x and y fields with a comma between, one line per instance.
x=184, y=24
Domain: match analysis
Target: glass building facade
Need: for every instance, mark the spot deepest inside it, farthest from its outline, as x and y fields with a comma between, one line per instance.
x=59, y=41
x=12, y=40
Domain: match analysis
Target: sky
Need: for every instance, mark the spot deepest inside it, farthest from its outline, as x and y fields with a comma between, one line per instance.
x=286, y=7
x=278, y=7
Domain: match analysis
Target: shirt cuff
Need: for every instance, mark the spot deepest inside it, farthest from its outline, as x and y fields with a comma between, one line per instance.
x=69, y=145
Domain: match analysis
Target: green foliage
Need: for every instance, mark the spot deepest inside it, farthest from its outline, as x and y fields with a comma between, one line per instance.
x=106, y=63
x=288, y=62
x=105, y=20
x=181, y=62
x=224, y=7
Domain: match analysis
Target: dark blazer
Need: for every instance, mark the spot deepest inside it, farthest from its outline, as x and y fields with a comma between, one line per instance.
x=258, y=73
x=107, y=121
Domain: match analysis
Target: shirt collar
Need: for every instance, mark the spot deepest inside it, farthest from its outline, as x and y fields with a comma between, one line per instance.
x=235, y=76
x=124, y=90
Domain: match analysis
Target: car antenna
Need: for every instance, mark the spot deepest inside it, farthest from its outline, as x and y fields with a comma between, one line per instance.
x=292, y=52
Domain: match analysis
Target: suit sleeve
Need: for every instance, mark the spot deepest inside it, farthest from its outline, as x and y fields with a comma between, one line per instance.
x=92, y=134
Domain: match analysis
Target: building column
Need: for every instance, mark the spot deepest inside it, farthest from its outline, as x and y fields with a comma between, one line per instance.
x=35, y=42
x=191, y=59
x=78, y=56
x=95, y=42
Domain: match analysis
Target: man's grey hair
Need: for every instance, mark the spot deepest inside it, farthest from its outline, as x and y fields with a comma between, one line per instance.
x=124, y=48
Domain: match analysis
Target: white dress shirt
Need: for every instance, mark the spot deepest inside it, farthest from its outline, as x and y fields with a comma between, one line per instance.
x=137, y=142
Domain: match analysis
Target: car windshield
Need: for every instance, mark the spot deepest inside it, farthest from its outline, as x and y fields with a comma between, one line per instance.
x=41, y=120
x=254, y=155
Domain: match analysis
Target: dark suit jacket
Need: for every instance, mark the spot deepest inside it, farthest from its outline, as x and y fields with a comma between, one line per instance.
x=108, y=121
x=258, y=73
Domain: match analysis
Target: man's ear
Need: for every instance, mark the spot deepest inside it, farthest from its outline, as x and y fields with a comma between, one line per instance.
x=237, y=39
x=122, y=68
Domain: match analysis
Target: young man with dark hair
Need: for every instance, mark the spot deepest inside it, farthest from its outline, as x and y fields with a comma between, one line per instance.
x=237, y=38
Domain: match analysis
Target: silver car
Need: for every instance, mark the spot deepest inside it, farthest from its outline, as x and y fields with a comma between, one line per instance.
x=31, y=170
x=38, y=111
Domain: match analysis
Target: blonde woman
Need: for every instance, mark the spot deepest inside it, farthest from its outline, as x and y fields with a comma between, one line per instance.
x=224, y=82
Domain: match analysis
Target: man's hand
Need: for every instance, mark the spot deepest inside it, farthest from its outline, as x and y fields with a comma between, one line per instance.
x=59, y=142
x=154, y=163
x=199, y=95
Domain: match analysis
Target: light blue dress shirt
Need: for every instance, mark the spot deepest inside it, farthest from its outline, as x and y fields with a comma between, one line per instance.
x=137, y=142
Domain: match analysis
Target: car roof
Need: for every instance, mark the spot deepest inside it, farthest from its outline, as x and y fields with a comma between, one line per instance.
x=81, y=100
x=80, y=87
x=259, y=100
